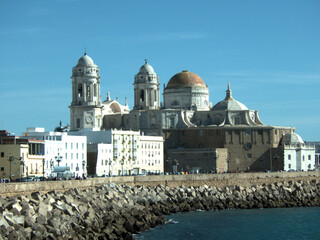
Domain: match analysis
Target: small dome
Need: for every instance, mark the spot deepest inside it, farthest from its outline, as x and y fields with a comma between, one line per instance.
x=229, y=103
x=185, y=79
x=85, y=60
x=292, y=138
x=146, y=69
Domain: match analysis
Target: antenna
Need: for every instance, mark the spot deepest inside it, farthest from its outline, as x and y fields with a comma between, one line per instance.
x=85, y=50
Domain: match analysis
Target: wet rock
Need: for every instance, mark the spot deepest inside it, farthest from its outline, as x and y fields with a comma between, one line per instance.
x=116, y=213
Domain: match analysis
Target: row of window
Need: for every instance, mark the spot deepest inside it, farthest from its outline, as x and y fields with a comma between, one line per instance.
x=76, y=156
x=152, y=162
x=303, y=157
x=106, y=162
x=2, y=154
x=76, y=168
x=105, y=150
x=151, y=145
x=217, y=132
x=87, y=90
x=72, y=145
x=53, y=138
x=151, y=153
x=289, y=166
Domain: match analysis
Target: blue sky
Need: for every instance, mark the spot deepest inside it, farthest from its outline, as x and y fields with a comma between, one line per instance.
x=268, y=50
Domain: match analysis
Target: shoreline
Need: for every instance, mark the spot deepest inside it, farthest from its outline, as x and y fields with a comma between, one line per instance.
x=119, y=211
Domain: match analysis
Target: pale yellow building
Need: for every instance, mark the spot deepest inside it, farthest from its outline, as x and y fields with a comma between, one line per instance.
x=20, y=158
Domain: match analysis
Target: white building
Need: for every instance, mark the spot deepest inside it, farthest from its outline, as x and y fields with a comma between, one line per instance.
x=62, y=149
x=100, y=155
x=297, y=155
x=117, y=152
x=150, y=155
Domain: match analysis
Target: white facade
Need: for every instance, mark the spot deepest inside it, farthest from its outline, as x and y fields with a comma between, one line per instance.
x=118, y=152
x=146, y=88
x=104, y=157
x=150, y=155
x=62, y=149
x=85, y=108
x=297, y=155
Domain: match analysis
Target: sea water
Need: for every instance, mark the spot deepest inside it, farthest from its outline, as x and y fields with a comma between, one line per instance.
x=269, y=223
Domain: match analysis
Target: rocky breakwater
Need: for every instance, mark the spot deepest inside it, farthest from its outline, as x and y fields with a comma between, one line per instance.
x=117, y=212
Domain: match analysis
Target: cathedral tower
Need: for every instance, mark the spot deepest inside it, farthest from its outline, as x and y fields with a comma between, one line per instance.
x=146, y=89
x=85, y=108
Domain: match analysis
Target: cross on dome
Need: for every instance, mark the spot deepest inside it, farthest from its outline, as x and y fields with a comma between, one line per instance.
x=229, y=92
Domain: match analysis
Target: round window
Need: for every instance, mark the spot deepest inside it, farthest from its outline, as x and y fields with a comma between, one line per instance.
x=247, y=146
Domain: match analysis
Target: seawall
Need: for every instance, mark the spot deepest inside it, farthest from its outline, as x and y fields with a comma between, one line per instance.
x=117, y=211
x=218, y=180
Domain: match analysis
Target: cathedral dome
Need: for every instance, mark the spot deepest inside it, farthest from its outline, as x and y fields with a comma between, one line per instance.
x=85, y=60
x=292, y=138
x=229, y=103
x=185, y=79
x=146, y=69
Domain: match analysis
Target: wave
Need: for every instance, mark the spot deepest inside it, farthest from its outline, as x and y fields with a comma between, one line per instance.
x=171, y=221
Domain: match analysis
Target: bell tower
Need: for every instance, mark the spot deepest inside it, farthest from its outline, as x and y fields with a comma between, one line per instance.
x=146, y=89
x=85, y=108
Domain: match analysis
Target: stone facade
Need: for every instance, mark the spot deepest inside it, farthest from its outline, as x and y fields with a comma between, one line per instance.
x=196, y=160
x=248, y=148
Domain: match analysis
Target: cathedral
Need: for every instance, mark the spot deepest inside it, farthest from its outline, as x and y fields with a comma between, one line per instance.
x=198, y=137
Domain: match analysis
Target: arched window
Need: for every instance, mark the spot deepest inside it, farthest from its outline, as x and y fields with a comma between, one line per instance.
x=88, y=91
x=175, y=103
x=142, y=96
x=95, y=90
x=80, y=91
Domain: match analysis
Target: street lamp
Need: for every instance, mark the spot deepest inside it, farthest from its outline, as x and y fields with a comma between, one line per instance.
x=276, y=157
x=83, y=167
x=228, y=164
x=43, y=163
x=58, y=159
x=110, y=162
x=175, y=166
x=122, y=162
x=23, y=164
